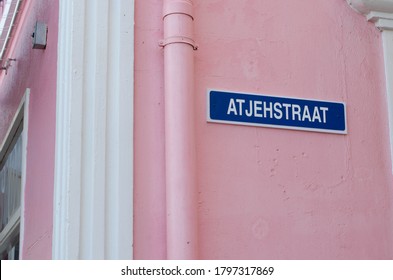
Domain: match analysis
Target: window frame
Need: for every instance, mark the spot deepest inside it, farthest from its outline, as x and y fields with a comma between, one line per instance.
x=14, y=228
x=8, y=22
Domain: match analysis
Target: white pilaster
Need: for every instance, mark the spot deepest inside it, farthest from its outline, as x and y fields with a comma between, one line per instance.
x=387, y=39
x=94, y=131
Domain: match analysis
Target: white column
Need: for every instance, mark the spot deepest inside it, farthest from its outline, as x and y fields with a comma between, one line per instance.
x=384, y=22
x=387, y=39
x=94, y=130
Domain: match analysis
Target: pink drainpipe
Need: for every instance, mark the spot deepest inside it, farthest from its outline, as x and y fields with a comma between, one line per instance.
x=179, y=46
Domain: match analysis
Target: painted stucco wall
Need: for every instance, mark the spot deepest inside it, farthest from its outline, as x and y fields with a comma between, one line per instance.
x=271, y=193
x=35, y=69
x=267, y=193
x=149, y=153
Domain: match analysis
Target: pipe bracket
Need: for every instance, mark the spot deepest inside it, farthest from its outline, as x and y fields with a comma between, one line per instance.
x=178, y=39
x=184, y=7
x=7, y=65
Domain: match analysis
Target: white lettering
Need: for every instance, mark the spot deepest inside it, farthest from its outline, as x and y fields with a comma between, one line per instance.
x=249, y=112
x=277, y=110
x=286, y=106
x=306, y=114
x=257, y=109
x=315, y=115
x=240, y=102
x=260, y=109
x=324, y=110
x=296, y=111
x=268, y=109
x=231, y=107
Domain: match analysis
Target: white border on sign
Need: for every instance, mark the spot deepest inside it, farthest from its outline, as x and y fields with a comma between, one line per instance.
x=209, y=119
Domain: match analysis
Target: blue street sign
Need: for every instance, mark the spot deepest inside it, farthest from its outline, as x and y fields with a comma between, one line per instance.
x=278, y=112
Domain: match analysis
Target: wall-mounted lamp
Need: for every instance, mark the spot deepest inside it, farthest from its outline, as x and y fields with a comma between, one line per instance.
x=39, y=35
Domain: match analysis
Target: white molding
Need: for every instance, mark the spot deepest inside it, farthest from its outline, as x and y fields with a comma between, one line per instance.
x=366, y=6
x=383, y=21
x=378, y=11
x=25, y=133
x=94, y=131
x=387, y=40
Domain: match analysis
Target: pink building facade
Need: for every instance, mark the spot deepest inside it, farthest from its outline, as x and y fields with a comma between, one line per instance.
x=119, y=159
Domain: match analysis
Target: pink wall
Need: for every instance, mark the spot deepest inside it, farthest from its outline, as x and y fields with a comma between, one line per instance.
x=149, y=153
x=263, y=193
x=270, y=193
x=35, y=69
